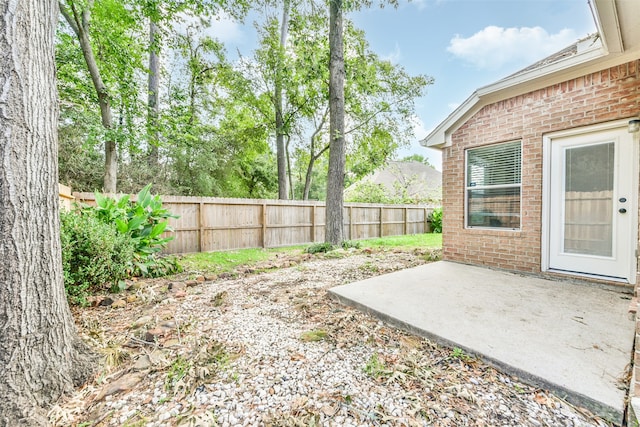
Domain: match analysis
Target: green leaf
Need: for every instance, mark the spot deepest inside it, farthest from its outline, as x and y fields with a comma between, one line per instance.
x=123, y=226
x=158, y=229
x=144, y=196
x=135, y=223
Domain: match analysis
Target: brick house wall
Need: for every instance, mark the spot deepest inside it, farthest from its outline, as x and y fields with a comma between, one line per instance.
x=603, y=96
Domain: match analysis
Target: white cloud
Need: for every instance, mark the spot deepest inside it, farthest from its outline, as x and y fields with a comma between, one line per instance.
x=395, y=56
x=419, y=130
x=493, y=47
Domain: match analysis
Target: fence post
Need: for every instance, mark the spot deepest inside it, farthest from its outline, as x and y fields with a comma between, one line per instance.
x=201, y=227
x=264, y=225
x=426, y=221
x=350, y=222
x=381, y=212
x=313, y=224
x=404, y=228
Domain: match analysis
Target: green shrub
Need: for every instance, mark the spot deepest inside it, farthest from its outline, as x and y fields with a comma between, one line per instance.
x=436, y=220
x=143, y=221
x=348, y=244
x=158, y=266
x=94, y=255
x=319, y=248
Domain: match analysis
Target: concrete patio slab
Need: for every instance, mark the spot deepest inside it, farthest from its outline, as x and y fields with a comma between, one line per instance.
x=575, y=340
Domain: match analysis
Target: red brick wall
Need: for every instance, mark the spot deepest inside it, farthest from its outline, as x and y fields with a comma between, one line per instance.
x=595, y=98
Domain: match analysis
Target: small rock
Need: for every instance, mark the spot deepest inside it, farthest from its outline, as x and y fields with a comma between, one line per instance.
x=171, y=343
x=180, y=294
x=176, y=286
x=126, y=382
x=119, y=304
x=144, y=320
x=210, y=277
x=200, y=279
x=329, y=410
x=132, y=298
x=143, y=363
x=105, y=302
x=191, y=283
x=138, y=285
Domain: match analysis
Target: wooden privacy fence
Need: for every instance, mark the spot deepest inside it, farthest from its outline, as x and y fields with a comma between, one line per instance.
x=214, y=224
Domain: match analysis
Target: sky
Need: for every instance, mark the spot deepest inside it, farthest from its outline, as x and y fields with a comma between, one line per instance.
x=462, y=44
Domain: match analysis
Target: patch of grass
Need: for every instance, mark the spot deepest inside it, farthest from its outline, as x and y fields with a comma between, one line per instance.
x=312, y=336
x=459, y=354
x=369, y=267
x=114, y=354
x=376, y=368
x=412, y=241
x=227, y=261
x=177, y=371
x=319, y=248
x=349, y=244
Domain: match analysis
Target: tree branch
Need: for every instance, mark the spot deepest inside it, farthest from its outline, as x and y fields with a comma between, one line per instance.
x=376, y=113
x=70, y=19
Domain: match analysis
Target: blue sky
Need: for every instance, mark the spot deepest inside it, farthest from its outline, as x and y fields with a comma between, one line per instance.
x=463, y=44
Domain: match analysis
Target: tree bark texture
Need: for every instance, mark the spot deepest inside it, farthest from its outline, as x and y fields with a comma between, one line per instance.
x=337, y=153
x=152, y=101
x=41, y=355
x=281, y=154
x=79, y=22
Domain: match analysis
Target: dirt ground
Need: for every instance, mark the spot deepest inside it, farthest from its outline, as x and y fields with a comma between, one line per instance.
x=266, y=346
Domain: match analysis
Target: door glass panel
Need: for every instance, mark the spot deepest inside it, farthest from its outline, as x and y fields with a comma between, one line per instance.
x=588, y=200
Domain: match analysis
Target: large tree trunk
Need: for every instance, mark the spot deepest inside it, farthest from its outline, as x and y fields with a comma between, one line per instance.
x=152, y=101
x=281, y=154
x=41, y=356
x=337, y=154
x=79, y=21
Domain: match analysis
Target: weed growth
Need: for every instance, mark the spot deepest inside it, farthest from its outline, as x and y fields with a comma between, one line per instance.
x=319, y=248
x=314, y=335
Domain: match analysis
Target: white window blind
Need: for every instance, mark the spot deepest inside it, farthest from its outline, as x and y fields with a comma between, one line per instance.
x=493, y=181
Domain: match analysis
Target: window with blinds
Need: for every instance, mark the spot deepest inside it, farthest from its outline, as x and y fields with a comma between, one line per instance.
x=493, y=183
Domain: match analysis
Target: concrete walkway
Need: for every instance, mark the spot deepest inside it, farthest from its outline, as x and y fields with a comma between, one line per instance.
x=575, y=340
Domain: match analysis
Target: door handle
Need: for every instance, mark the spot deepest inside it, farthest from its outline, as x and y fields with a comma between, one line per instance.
x=622, y=210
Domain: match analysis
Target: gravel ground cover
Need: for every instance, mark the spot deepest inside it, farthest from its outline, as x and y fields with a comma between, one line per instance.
x=270, y=348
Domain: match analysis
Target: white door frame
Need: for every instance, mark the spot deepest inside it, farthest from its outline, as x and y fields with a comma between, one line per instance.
x=547, y=141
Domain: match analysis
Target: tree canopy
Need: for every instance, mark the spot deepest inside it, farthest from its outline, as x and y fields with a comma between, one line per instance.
x=148, y=95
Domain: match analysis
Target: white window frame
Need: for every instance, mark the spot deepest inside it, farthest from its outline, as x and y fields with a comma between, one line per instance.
x=483, y=187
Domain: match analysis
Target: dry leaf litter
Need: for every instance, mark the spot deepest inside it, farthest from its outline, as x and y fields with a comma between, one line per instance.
x=272, y=348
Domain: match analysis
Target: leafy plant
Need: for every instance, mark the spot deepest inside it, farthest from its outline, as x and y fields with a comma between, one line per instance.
x=348, y=244
x=436, y=220
x=458, y=353
x=319, y=248
x=94, y=254
x=177, y=371
x=143, y=221
x=376, y=368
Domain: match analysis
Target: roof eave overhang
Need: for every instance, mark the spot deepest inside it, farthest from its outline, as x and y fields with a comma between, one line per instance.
x=607, y=53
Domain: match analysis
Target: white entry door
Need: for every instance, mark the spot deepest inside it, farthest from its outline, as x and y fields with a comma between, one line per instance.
x=592, y=197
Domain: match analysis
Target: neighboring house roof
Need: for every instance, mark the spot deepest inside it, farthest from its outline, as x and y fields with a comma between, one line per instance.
x=617, y=42
x=420, y=181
